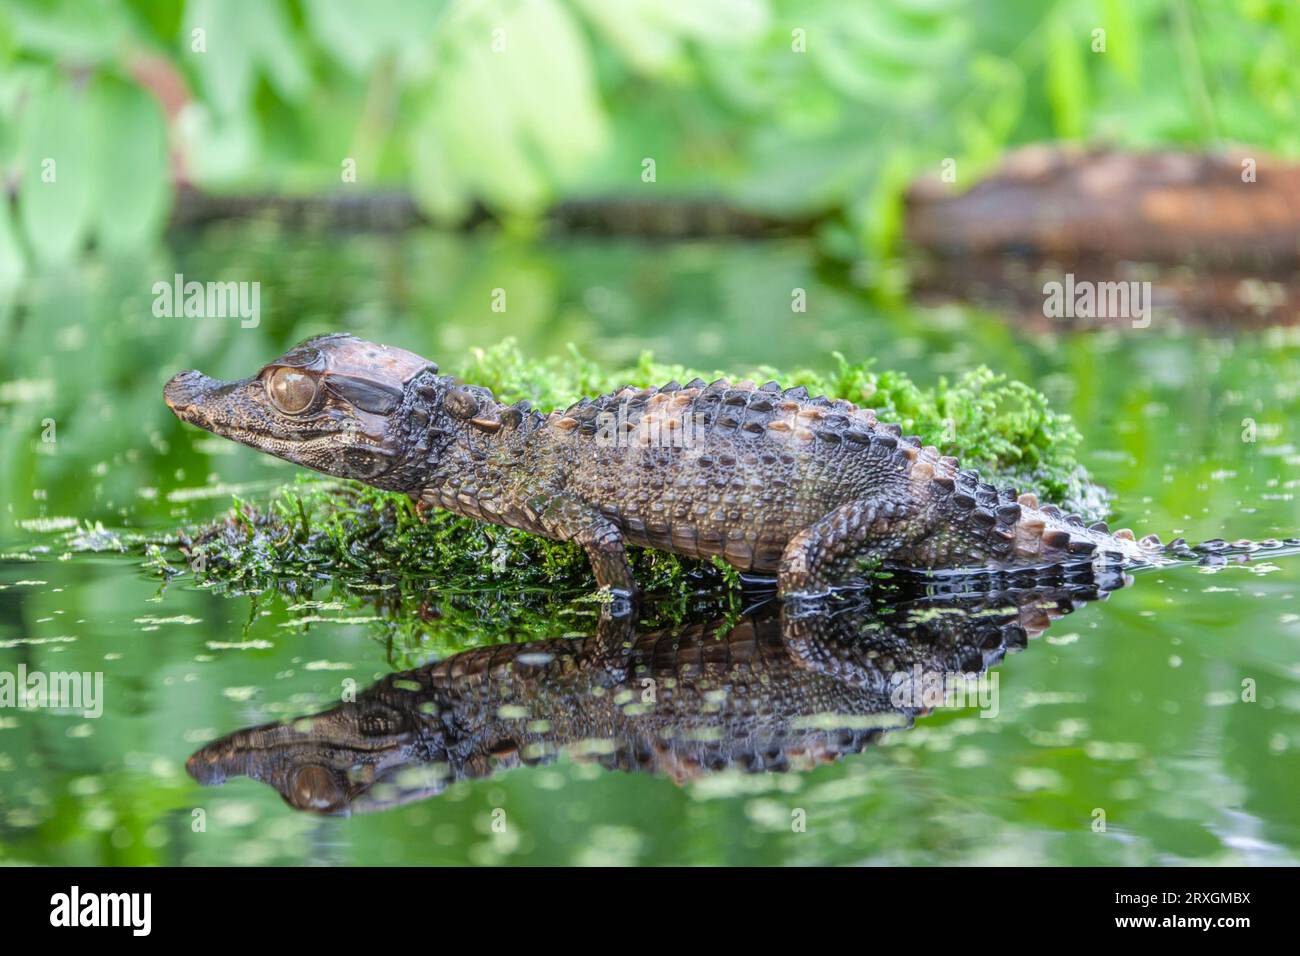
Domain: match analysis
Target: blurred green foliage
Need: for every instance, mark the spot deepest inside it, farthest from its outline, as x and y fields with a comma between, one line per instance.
x=790, y=107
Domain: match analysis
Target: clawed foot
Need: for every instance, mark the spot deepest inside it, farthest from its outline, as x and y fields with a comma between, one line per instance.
x=615, y=634
x=803, y=603
x=618, y=602
x=809, y=601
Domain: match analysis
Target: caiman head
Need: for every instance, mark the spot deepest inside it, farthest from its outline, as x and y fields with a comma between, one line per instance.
x=360, y=756
x=335, y=403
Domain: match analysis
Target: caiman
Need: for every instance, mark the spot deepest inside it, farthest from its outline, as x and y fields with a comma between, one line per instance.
x=776, y=691
x=775, y=481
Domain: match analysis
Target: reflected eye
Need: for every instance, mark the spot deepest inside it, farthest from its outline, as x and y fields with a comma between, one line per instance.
x=290, y=390
x=315, y=788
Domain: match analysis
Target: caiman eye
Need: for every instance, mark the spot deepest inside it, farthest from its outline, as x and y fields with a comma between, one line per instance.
x=290, y=390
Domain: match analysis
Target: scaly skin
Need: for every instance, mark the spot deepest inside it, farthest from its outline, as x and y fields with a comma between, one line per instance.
x=779, y=691
x=775, y=482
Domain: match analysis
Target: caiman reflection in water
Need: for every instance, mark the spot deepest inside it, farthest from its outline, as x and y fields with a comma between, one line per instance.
x=777, y=691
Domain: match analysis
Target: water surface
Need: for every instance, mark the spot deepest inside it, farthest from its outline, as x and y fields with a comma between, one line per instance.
x=1131, y=706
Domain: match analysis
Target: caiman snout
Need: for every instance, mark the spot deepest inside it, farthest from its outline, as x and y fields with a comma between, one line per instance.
x=283, y=756
x=207, y=767
x=206, y=402
x=185, y=389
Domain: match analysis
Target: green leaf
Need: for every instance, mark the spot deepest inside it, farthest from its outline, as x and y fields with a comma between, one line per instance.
x=219, y=149
x=12, y=262
x=654, y=36
x=84, y=32
x=404, y=27
x=523, y=136
x=132, y=188
x=239, y=40
x=56, y=185
x=1067, y=78
x=1122, y=39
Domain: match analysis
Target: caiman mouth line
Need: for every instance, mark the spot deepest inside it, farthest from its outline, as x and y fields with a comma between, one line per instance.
x=259, y=438
x=235, y=748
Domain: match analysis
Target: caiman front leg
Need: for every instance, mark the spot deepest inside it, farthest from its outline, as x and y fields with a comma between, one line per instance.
x=835, y=546
x=569, y=519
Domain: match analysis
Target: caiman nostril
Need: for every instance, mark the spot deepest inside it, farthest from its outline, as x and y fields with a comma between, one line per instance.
x=185, y=389
x=179, y=392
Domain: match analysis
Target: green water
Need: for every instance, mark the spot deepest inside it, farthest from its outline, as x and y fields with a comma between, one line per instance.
x=1133, y=706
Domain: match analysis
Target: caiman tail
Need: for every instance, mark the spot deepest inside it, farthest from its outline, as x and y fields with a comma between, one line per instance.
x=1217, y=551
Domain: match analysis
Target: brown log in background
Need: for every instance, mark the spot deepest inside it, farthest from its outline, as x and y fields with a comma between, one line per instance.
x=1146, y=207
x=1218, y=249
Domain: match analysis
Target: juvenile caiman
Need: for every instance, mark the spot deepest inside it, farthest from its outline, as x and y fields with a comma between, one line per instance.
x=773, y=480
x=777, y=691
